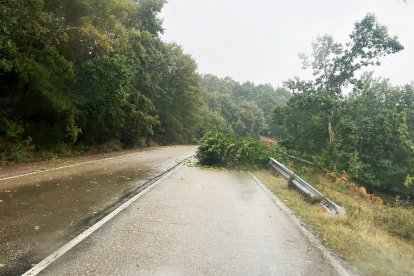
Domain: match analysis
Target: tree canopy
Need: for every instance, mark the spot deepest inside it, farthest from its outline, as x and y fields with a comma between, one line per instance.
x=75, y=74
x=89, y=72
x=81, y=73
x=246, y=108
x=368, y=132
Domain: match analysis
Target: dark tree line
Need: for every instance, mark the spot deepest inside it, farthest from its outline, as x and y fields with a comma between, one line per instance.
x=87, y=72
x=80, y=73
x=245, y=108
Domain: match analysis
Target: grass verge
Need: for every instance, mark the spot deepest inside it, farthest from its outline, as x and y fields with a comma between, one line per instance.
x=378, y=240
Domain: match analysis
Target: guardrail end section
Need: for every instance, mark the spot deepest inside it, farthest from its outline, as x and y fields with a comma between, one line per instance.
x=340, y=210
x=332, y=207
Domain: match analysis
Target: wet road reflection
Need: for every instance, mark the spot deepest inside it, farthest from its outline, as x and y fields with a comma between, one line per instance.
x=40, y=213
x=35, y=218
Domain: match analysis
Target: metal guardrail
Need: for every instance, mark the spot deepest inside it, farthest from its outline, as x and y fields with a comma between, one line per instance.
x=306, y=188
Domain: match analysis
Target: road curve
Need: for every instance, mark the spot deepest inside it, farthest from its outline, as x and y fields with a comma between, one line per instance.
x=197, y=222
x=42, y=210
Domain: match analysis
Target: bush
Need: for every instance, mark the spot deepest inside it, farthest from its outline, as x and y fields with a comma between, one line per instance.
x=14, y=144
x=397, y=220
x=218, y=148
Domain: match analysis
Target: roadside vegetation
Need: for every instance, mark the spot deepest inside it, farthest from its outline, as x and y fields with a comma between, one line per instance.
x=368, y=132
x=81, y=76
x=95, y=75
x=245, y=108
x=377, y=239
x=218, y=148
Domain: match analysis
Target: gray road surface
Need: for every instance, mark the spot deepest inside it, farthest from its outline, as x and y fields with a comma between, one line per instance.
x=197, y=222
x=42, y=211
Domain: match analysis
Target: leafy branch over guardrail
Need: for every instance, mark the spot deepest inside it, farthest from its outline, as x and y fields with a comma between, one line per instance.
x=218, y=148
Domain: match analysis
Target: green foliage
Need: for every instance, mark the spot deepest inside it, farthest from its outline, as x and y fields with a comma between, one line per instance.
x=398, y=220
x=409, y=180
x=88, y=72
x=14, y=144
x=374, y=124
x=33, y=73
x=180, y=99
x=218, y=148
x=305, y=120
x=246, y=108
x=334, y=65
x=368, y=133
x=117, y=110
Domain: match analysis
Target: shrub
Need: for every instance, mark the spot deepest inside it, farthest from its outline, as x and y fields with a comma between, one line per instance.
x=14, y=144
x=397, y=220
x=218, y=148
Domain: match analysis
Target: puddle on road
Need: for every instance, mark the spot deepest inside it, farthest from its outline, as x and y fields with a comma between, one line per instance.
x=38, y=218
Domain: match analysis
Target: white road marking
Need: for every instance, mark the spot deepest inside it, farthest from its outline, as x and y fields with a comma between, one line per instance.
x=58, y=253
x=334, y=261
x=69, y=166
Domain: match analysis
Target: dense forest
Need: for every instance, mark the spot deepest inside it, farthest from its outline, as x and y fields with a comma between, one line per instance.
x=90, y=72
x=75, y=74
x=79, y=74
x=245, y=109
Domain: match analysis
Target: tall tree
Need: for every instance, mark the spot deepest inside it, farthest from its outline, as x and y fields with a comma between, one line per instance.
x=33, y=74
x=334, y=65
x=366, y=133
x=90, y=72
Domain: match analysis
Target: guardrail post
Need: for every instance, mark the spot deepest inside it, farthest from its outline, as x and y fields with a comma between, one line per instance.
x=291, y=185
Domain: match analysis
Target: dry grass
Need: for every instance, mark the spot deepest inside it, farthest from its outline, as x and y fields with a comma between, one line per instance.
x=365, y=236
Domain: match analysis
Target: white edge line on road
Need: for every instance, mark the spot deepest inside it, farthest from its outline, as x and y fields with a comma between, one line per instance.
x=68, y=166
x=58, y=253
x=309, y=235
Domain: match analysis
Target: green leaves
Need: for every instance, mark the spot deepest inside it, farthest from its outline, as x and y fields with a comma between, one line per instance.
x=334, y=65
x=372, y=126
x=92, y=71
x=246, y=108
x=218, y=148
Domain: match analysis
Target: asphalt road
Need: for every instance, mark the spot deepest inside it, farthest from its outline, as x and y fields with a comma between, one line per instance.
x=197, y=222
x=40, y=211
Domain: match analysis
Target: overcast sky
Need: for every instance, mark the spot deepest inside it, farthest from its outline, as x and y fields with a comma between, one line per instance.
x=259, y=40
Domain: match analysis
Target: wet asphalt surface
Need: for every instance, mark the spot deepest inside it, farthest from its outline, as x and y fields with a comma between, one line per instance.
x=197, y=222
x=41, y=212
